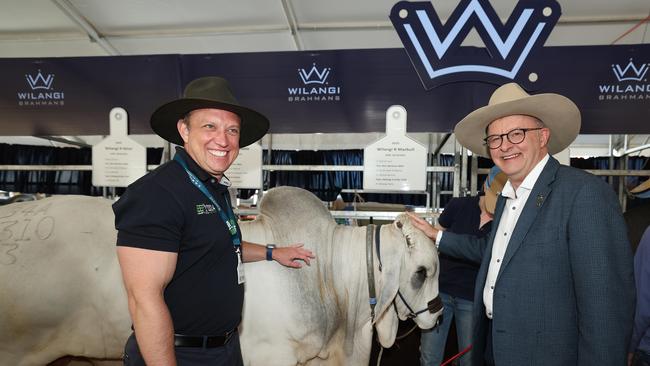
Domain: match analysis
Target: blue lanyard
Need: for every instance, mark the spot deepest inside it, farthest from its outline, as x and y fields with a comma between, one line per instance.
x=228, y=220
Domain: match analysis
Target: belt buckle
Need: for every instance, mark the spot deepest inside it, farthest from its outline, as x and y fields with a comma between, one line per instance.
x=229, y=335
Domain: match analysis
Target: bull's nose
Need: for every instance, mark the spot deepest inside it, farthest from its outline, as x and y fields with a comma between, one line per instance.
x=435, y=305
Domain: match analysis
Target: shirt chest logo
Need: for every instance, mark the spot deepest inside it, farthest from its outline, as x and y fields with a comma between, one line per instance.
x=205, y=209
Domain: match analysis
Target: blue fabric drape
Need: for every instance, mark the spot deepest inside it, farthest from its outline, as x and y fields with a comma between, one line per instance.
x=326, y=185
x=52, y=182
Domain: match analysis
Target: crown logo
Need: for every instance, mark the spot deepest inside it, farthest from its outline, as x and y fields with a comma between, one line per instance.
x=39, y=81
x=435, y=48
x=630, y=72
x=313, y=76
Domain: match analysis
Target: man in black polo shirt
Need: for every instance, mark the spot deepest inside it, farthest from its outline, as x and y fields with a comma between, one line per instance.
x=179, y=244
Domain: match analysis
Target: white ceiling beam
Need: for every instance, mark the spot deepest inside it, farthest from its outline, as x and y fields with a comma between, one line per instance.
x=203, y=31
x=290, y=15
x=576, y=20
x=71, y=12
x=40, y=36
x=292, y=26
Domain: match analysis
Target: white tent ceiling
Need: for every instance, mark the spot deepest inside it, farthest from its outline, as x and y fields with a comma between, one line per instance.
x=41, y=28
x=64, y=28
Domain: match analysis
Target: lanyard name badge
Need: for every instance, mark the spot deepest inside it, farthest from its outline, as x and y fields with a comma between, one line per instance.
x=228, y=220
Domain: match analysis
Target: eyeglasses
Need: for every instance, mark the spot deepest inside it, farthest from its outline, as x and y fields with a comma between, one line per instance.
x=515, y=136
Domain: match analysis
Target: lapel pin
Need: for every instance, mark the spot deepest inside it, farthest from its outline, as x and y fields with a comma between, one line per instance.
x=540, y=200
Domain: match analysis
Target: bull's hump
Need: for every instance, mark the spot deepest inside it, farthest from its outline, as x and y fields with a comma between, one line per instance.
x=286, y=202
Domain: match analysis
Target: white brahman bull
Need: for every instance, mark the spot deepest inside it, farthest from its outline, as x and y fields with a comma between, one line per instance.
x=61, y=290
x=320, y=315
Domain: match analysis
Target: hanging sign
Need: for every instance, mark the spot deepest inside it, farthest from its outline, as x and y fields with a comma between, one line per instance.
x=395, y=162
x=118, y=160
x=246, y=170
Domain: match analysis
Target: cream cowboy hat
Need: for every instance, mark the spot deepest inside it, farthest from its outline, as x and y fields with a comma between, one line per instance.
x=642, y=190
x=208, y=92
x=492, y=188
x=558, y=113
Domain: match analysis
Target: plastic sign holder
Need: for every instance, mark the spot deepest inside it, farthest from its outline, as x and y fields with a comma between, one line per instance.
x=395, y=162
x=118, y=160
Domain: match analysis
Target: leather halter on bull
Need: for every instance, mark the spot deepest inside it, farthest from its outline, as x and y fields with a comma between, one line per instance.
x=433, y=306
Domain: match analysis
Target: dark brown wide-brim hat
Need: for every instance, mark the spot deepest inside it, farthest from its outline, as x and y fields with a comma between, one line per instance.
x=208, y=92
x=558, y=113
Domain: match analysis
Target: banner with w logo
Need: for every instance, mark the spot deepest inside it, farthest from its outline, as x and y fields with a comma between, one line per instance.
x=435, y=49
x=330, y=91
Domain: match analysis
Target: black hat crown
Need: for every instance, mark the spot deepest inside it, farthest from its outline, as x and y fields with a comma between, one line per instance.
x=208, y=92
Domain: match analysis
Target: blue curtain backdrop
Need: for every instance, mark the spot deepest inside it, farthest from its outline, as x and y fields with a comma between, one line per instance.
x=328, y=185
x=324, y=184
x=52, y=182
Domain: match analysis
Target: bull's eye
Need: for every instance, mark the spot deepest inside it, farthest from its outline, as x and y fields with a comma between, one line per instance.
x=419, y=277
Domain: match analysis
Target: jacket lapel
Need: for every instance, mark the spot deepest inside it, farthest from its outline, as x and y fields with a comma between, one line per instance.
x=533, y=206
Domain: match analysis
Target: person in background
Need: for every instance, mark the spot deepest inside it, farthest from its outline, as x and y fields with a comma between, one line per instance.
x=640, y=344
x=556, y=282
x=457, y=277
x=179, y=246
x=637, y=218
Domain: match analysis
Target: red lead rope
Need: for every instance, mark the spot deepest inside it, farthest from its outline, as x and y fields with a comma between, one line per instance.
x=457, y=355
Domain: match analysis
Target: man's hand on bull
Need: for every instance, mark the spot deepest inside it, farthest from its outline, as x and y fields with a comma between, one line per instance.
x=423, y=226
x=292, y=255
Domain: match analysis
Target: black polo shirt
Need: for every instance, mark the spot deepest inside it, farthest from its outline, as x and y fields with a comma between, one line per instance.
x=164, y=211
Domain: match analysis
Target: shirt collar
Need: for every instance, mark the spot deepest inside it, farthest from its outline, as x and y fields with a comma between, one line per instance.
x=528, y=183
x=197, y=170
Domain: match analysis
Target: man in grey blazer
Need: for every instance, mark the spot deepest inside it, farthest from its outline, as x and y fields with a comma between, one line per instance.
x=556, y=282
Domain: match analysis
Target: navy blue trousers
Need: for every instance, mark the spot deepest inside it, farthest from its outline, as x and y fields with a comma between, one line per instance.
x=226, y=355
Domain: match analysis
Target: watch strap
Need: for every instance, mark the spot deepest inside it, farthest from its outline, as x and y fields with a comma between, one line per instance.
x=269, y=252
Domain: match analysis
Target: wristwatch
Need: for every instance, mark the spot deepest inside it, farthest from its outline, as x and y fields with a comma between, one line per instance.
x=269, y=251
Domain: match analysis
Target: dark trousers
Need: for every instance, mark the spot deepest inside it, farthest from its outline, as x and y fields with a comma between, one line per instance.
x=489, y=351
x=641, y=358
x=226, y=355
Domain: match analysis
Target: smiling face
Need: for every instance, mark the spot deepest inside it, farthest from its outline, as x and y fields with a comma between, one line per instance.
x=517, y=160
x=211, y=138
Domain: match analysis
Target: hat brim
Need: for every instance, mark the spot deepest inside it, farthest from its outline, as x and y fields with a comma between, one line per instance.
x=558, y=113
x=642, y=190
x=493, y=192
x=254, y=125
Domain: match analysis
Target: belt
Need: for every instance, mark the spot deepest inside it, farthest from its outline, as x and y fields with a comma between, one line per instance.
x=181, y=340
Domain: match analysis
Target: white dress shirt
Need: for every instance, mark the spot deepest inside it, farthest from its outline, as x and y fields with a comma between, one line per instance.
x=515, y=201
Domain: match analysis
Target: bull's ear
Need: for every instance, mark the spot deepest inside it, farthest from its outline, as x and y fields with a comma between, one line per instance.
x=386, y=324
x=392, y=248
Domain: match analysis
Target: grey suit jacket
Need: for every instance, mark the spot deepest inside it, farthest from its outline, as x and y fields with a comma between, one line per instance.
x=564, y=295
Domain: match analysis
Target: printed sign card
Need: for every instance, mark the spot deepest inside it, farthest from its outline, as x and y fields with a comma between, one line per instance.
x=246, y=170
x=118, y=160
x=395, y=162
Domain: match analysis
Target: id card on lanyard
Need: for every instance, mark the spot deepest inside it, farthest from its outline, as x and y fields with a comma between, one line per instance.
x=228, y=217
